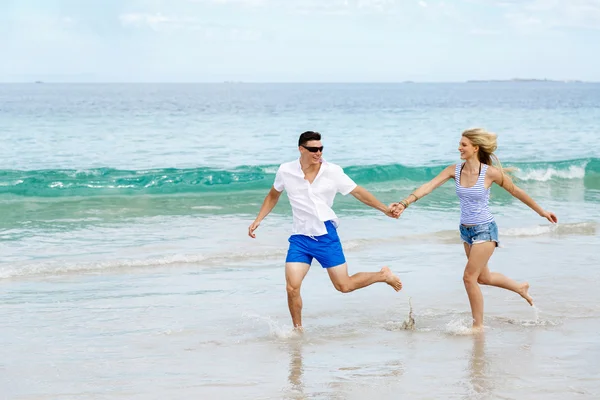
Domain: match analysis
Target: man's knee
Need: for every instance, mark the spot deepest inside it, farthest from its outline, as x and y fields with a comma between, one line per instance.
x=293, y=290
x=483, y=280
x=343, y=287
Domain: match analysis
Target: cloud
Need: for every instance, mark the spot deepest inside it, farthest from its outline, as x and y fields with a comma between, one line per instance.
x=170, y=24
x=154, y=21
x=541, y=15
x=249, y=3
x=321, y=7
x=484, y=32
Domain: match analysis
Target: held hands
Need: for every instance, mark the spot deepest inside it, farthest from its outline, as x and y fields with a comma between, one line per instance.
x=395, y=210
x=391, y=212
x=550, y=216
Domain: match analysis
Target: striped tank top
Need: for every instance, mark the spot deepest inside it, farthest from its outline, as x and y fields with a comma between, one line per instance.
x=474, y=200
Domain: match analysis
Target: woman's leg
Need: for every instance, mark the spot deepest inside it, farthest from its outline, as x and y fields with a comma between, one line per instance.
x=479, y=255
x=499, y=280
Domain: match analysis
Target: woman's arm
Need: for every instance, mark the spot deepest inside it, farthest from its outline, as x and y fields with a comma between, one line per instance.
x=505, y=182
x=425, y=189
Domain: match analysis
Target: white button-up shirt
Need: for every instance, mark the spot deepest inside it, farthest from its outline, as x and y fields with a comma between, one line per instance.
x=311, y=203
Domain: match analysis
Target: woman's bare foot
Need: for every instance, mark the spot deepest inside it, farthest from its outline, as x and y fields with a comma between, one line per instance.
x=524, y=292
x=391, y=279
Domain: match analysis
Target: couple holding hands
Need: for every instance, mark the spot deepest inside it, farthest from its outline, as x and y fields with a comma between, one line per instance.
x=312, y=183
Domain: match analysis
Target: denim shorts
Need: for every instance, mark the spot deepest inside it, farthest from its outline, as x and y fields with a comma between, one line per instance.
x=480, y=233
x=327, y=249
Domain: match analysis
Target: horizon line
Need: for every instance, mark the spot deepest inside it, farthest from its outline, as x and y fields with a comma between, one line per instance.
x=512, y=80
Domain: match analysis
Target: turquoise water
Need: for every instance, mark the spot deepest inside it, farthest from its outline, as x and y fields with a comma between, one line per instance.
x=123, y=220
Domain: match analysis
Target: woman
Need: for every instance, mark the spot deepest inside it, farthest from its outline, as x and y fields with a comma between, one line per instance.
x=478, y=230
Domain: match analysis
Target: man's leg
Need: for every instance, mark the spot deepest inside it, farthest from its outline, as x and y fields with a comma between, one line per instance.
x=345, y=284
x=294, y=275
x=329, y=253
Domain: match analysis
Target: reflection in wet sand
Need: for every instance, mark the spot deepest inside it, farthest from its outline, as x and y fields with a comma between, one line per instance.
x=481, y=382
x=296, y=373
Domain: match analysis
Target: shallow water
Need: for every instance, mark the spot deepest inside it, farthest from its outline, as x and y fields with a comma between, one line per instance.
x=223, y=331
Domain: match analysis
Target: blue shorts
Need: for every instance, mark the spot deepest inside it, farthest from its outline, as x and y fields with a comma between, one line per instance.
x=479, y=233
x=327, y=249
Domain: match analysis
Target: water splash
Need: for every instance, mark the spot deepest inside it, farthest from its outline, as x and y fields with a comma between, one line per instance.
x=409, y=323
x=537, y=320
x=276, y=331
x=536, y=312
x=460, y=327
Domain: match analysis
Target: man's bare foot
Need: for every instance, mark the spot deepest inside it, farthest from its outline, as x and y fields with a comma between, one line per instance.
x=391, y=279
x=524, y=292
x=299, y=329
x=477, y=329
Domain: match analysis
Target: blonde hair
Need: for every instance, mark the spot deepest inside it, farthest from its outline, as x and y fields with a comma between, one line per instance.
x=487, y=146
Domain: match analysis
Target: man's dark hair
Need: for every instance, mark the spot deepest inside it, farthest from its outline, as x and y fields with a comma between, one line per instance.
x=308, y=136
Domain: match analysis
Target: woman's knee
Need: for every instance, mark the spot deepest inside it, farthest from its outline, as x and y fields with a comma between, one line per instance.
x=471, y=275
x=469, y=280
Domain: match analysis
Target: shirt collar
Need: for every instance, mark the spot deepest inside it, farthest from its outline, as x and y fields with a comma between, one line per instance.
x=299, y=166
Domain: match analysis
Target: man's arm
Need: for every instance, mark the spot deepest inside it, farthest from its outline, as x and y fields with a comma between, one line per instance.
x=369, y=199
x=268, y=204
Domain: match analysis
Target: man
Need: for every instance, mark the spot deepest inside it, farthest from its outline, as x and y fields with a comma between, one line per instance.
x=312, y=184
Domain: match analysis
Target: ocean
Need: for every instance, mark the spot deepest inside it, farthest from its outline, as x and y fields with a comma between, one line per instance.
x=126, y=270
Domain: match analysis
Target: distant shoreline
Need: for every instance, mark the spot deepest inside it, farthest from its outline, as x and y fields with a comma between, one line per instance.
x=523, y=80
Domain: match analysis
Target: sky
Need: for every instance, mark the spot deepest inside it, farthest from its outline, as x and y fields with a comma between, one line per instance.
x=298, y=40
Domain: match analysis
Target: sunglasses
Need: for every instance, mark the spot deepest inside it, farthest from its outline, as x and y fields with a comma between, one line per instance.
x=313, y=149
